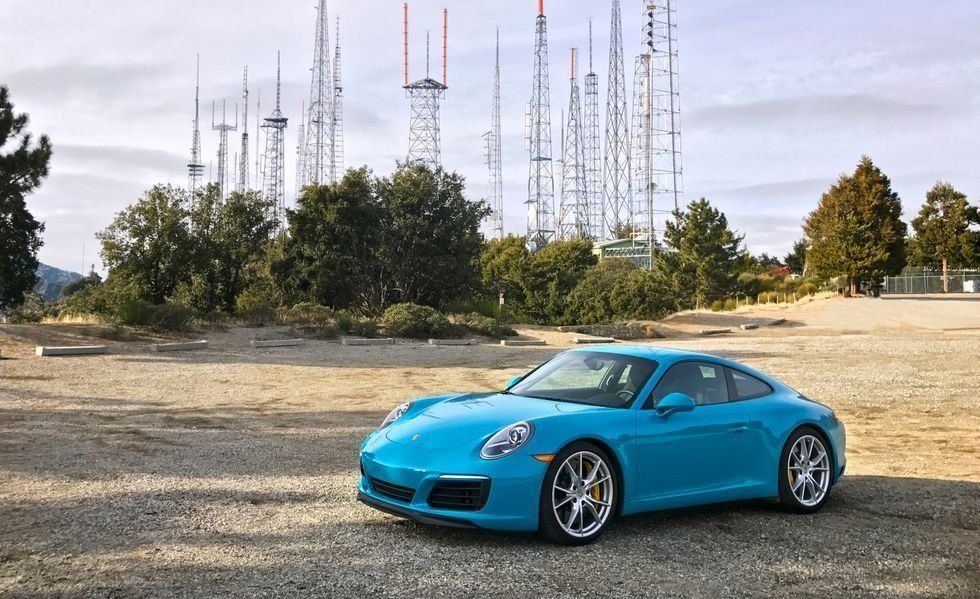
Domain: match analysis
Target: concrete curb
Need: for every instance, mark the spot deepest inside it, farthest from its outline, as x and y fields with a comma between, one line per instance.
x=76, y=350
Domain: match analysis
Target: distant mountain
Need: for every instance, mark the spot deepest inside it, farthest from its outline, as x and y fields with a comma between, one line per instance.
x=52, y=280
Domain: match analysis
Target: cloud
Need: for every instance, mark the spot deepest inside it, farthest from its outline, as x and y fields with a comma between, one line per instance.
x=834, y=108
x=127, y=159
x=812, y=188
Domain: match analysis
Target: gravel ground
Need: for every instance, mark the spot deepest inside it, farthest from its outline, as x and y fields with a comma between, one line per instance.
x=232, y=471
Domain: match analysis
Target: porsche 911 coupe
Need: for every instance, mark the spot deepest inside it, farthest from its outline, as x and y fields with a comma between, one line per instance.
x=600, y=432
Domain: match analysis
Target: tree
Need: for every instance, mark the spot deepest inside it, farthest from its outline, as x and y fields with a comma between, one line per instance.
x=150, y=245
x=942, y=231
x=551, y=275
x=502, y=264
x=331, y=254
x=430, y=237
x=615, y=289
x=796, y=259
x=92, y=279
x=856, y=230
x=701, y=262
x=22, y=168
x=229, y=239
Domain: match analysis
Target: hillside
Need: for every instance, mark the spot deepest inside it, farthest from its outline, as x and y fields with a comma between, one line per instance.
x=52, y=280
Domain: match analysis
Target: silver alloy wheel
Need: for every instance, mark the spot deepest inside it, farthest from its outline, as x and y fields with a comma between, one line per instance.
x=582, y=496
x=808, y=470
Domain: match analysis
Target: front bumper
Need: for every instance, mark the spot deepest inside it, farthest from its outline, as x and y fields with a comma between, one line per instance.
x=511, y=505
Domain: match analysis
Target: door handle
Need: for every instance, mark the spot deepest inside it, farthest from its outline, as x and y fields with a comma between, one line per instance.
x=738, y=428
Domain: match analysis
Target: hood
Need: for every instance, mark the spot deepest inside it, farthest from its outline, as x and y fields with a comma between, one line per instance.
x=470, y=418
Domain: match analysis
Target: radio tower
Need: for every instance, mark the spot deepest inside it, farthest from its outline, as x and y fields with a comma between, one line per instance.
x=573, y=217
x=243, y=156
x=425, y=94
x=258, y=141
x=319, y=117
x=616, y=184
x=195, y=170
x=641, y=150
x=223, y=130
x=591, y=150
x=301, y=151
x=541, y=184
x=338, y=112
x=495, y=197
x=274, y=173
x=667, y=167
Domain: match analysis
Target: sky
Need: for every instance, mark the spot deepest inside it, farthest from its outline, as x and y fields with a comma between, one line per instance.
x=778, y=99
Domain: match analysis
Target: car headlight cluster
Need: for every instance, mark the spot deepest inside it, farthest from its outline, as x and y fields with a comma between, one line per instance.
x=396, y=414
x=507, y=440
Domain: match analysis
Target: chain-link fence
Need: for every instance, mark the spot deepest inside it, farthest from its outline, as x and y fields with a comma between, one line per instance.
x=931, y=281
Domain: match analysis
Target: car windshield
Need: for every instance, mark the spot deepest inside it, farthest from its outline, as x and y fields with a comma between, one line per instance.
x=593, y=378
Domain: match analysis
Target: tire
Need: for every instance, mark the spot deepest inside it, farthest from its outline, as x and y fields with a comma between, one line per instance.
x=578, y=507
x=805, y=471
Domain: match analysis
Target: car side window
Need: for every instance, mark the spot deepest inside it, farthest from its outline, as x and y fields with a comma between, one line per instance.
x=704, y=383
x=747, y=386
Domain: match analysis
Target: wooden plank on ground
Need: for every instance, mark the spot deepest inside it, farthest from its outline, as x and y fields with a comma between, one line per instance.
x=361, y=341
x=276, y=342
x=73, y=350
x=715, y=331
x=584, y=340
x=452, y=341
x=184, y=346
x=522, y=342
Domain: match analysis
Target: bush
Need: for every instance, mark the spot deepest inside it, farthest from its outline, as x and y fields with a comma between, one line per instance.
x=307, y=314
x=363, y=327
x=806, y=289
x=34, y=309
x=257, y=305
x=729, y=305
x=165, y=317
x=717, y=305
x=344, y=321
x=482, y=325
x=412, y=320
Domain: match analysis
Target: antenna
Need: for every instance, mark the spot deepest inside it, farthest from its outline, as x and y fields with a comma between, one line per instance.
x=195, y=170
x=425, y=94
x=405, y=43
x=541, y=183
x=445, y=34
x=591, y=150
x=243, y=157
x=274, y=173
x=319, y=126
x=495, y=197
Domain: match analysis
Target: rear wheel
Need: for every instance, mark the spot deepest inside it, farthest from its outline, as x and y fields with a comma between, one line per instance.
x=578, y=497
x=804, y=472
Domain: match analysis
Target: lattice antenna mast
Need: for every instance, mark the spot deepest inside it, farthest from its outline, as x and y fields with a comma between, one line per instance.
x=338, y=112
x=258, y=142
x=541, y=184
x=301, y=151
x=667, y=164
x=495, y=195
x=424, y=136
x=616, y=185
x=592, y=150
x=642, y=137
x=195, y=169
x=274, y=173
x=243, y=183
x=223, y=129
x=573, y=215
x=319, y=117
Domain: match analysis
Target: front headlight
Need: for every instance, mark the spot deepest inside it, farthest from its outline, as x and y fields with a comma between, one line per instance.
x=396, y=414
x=507, y=440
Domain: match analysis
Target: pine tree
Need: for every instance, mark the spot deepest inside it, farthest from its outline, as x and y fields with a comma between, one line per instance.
x=942, y=231
x=856, y=230
x=796, y=259
x=22, y=167
x=701, y=264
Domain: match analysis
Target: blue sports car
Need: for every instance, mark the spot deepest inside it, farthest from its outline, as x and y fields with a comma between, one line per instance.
x=600, y=432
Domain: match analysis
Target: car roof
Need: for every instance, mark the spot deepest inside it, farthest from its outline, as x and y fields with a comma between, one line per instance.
x=664, y=355
x=667, y=356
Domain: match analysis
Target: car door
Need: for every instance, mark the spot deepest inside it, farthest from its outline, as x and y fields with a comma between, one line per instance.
x=694, y=452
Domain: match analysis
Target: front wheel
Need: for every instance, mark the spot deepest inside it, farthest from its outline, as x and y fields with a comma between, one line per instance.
x=578, y=496
x=804, y=472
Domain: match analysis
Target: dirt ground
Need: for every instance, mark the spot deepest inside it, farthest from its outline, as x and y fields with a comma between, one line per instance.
x=231, y=471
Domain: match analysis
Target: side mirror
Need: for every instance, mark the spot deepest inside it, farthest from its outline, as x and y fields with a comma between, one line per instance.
x=513, y=382
x=674, y=402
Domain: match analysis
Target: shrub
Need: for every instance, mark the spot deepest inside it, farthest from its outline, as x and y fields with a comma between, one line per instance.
x=729, y=304
x=363, y=327
x=344, y=321
x=134, y=313
x=257, y=305
x=170, y=317
x=806, y=289
x=482, y=325
x=34, y=309
x=717, y=305
x=307, y=314
x=412, y=320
